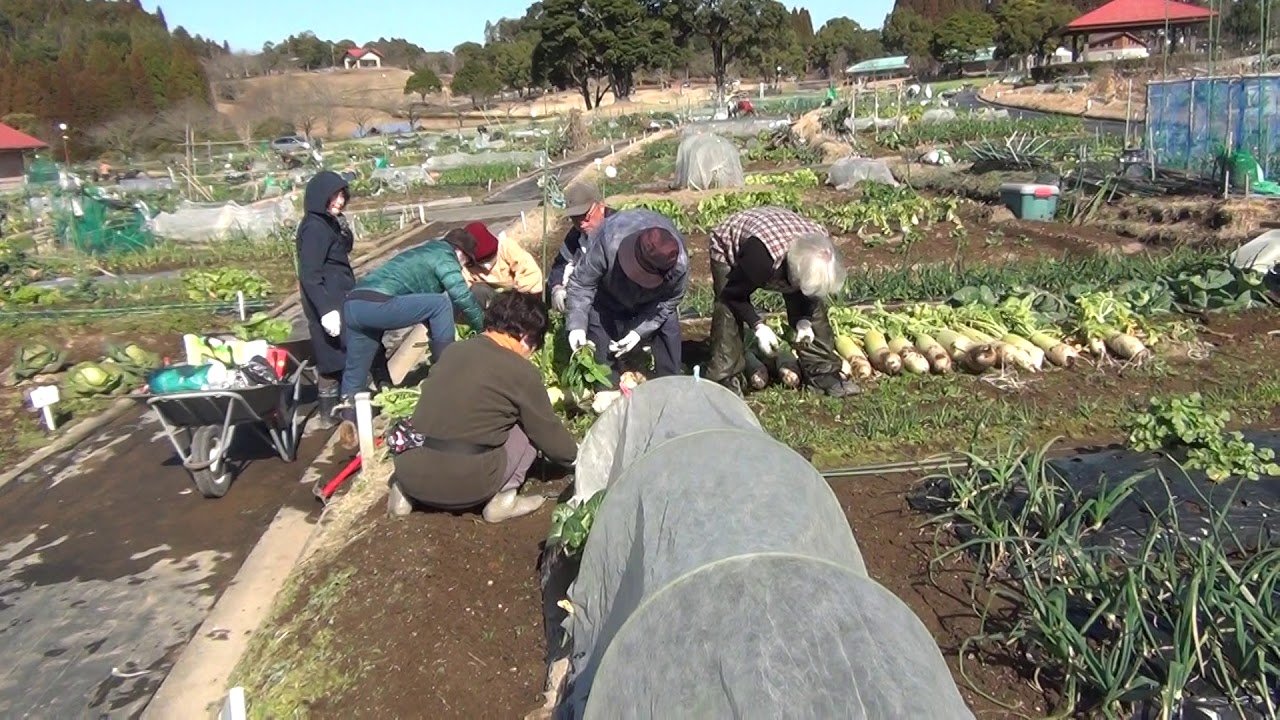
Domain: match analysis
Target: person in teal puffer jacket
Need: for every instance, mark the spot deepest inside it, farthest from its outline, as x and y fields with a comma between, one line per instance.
x=423, y=284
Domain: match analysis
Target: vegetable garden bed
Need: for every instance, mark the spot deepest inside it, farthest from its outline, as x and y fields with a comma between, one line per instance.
x=449, y=604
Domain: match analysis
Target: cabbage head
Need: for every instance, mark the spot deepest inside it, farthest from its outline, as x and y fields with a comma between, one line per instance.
x=38, y=357
x=91, y=379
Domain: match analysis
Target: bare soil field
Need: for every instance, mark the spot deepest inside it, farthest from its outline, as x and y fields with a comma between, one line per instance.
x=370, y=94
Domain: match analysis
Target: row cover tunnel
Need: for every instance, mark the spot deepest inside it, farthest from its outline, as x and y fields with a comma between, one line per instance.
x=721, y=579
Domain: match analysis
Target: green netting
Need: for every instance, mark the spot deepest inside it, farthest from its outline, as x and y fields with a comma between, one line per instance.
x=42, y=171
x=92, y=226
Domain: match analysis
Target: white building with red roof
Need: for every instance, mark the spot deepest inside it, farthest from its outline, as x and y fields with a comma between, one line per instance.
x=361, y=58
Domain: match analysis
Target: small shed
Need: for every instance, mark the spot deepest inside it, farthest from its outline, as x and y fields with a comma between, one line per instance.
x=358, y=58
x=1165, y=21
x=14, y=146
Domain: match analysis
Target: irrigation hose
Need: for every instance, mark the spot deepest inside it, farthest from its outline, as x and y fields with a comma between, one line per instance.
x=220, y=307
x=942, y=462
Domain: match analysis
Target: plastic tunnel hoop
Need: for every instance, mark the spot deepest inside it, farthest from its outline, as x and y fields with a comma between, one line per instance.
x=693, y=501
x=704, y=162
x=804, y=639
x=656, y=411
x=712, y=509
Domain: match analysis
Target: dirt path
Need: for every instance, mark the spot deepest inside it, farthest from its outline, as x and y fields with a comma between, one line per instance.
x=112, y=559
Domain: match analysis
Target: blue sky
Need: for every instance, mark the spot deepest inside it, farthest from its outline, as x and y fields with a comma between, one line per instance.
x=437, y=25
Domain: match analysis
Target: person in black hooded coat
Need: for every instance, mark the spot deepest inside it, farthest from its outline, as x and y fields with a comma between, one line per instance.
x=325, y=276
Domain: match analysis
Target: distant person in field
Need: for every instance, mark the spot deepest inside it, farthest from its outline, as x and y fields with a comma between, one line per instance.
x=495, y=264
x=586, y=210
x=324, y=241
x=626, y=290
x=484, y=415
x=776, y=249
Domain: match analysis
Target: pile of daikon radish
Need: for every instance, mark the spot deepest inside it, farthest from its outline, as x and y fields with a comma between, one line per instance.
x=976, y=338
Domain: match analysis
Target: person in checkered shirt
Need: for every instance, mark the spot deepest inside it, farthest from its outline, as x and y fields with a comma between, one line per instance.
x=776, y=249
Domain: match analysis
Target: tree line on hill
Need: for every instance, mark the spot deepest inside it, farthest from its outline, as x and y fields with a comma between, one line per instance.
x=935, y=33
x=83, y=62
x=607, y=46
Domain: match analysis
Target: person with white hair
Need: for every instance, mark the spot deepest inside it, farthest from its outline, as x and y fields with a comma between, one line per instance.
x=776, y=249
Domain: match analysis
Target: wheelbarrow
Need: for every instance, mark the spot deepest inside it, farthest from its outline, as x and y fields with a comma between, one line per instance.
x=202, y=425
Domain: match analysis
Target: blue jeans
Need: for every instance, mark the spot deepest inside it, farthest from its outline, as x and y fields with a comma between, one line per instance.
x=365, y=321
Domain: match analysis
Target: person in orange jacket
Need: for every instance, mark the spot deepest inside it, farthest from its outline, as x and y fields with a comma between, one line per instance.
x=495, y=263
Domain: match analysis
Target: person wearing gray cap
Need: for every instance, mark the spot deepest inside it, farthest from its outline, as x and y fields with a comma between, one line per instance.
x=627, y=289
x=586, y=209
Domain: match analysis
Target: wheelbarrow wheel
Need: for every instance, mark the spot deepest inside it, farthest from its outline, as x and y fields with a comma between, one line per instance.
x=211, y=481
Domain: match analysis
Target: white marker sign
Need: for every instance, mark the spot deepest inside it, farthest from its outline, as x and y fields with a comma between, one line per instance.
x=43, y=399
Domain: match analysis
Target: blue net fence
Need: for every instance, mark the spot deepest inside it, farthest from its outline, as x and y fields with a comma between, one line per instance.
x=1192, y=124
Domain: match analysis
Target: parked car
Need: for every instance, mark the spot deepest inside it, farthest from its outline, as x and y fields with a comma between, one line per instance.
x=290, y=144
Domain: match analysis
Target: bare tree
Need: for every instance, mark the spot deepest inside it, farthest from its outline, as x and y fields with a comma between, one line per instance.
x=410, y=111
x=305, y=114
x=291, y=100
x=362, y=116
x=123, y=134
x=185, y=121
x=326, y=102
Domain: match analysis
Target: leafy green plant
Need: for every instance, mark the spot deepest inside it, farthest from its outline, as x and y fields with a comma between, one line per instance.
x=803, y=178
x=1110, y=628
x=478, y=174
x=397, y=403
x=261, y=326
x=571, y=524
x=38, y=357
x=223, y=285
x=1185, y=424
x=583, y=376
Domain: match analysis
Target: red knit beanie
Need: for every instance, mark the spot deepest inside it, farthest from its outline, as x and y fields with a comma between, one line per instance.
x=486, y=243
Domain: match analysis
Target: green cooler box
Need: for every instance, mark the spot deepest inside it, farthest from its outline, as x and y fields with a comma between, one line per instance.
x=1031, y=201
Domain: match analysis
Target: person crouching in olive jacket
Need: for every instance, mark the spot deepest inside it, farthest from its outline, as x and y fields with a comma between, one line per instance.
x=484, y=415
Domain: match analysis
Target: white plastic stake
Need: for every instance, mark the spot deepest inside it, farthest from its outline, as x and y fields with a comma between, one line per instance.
x=364, y=423
x=233, y=708
x=43, y=399
x=422, y=214
x=240, y=302
x=490, y=184
x=524, y=225
x=697, y=372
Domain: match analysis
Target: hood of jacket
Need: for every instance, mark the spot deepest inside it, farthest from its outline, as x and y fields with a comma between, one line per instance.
x=320, y=189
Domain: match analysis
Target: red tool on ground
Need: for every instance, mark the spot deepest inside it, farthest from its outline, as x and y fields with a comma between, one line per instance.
x=324, y=493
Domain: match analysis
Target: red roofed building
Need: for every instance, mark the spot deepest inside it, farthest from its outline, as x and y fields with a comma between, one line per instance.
x=1142, y=16
x=14, y=146
x=356, y=58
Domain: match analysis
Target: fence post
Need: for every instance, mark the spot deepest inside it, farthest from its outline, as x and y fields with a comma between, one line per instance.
x=364, y=424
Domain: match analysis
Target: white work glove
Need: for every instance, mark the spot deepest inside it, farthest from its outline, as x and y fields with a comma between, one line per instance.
x=625, y=345
x=577, y=340
x=331, y=323
x=804, y=332
x=558, y=296
x=568, y=270
x=603, y=400
x=766, y=339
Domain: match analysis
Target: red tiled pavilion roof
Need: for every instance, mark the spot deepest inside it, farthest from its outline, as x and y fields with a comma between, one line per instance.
x=360, y=52
x=11, y=139
x=1120, y=14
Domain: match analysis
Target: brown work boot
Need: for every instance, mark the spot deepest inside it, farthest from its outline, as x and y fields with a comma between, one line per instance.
x=509, y=504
